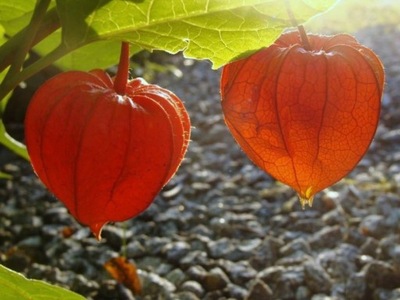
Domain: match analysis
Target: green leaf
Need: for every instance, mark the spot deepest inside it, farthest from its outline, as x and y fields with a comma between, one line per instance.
x=5, y=176
x=218, y=30
x=15, y=286
x=15, y=14
x=3, y=102
x=100, y=55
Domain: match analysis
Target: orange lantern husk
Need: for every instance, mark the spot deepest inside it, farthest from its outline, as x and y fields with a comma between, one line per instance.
x=105, y=147
x=305, y=116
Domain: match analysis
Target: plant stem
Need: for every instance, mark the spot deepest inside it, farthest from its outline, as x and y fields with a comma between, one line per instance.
x=122, y=76
x=49, y=24
x=12, y=144
x=304, y=38
x=124, y=239
x=300, y=28
x=30, y=33
x=32, y=69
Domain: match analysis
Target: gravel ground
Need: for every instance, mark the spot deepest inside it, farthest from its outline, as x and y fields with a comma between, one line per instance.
x=222, y=229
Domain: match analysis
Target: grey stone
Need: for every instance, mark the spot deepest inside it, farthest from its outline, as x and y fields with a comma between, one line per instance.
x=340, y=262
x=387, y=246
x=316, y=278
x=154, y=285
x=356, y=287
x=197, y=273
x=370, y=247
x=266, y=254
x=392, y=136
x=194, y=258
x=353, y=236
x=176, y=277
x=236, y=292
x=307, y=225
x=374, y=226
x=328, y=237
x=243, y=250
x=202, y=230
x=193, y=287
x=149, y=263
x=303, y=293
x=240, y=273
x=135, y=249
x=82, y=285
x=155, y=245
x=220, y=248
x=321, y=297
x=114, y=236
x=260, y=290
x=395, y=295
x=175, y=251
x=295, y=248
x=283, y=281
x=214, y=295
x=271, y=274
x=186, y=296
x=334, y=217
x=381, y=274
x=215, y=279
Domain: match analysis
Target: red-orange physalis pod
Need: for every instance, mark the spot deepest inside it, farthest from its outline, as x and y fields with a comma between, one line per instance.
x=105, y=147
x=304, y=114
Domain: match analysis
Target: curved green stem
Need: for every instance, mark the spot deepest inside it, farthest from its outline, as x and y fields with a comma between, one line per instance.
x=32, y=69
x=12, y=144
x=19, y=59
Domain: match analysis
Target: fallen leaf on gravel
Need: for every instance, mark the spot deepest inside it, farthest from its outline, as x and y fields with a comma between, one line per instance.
x=124, y=272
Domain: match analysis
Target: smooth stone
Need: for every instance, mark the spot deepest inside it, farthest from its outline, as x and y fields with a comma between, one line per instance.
x=154, y=285
x=197, y=273
x=176, y=277
x=296, y=247
x=215, y=279
x=266, y=254
x=193, y=287
x=370, y=247
x=186, y=296
x=328, y=237
x=303, y=293
x=381, y=274
x=135, y=249
x=316, y=278
x=260, y=290
x=175, y=251
x=240, y=273
x=356, y=286
x=373, y=226
x=220, y=248
x=194, y=258
x=283, y=281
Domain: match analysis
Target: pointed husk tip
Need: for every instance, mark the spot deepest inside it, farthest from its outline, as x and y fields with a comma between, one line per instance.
x=96, y=229
x=306, y=198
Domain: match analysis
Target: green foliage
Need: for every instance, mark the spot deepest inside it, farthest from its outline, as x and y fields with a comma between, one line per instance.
x=218, y=30
x=5, y=139
x=16, y=286
x=14, y=15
